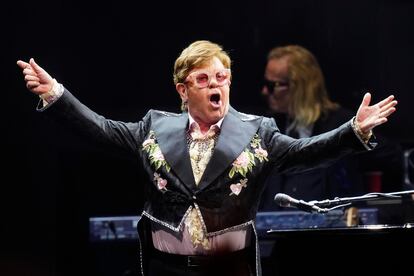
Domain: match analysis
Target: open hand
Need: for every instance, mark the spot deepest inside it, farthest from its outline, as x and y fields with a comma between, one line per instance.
x=369, y=117
x=37, y=79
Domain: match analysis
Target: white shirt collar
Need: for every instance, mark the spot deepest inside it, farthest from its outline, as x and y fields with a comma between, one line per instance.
x=191, y=120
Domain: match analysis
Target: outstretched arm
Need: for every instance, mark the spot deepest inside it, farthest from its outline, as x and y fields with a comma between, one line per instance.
x=70, y=112
x=290, y=154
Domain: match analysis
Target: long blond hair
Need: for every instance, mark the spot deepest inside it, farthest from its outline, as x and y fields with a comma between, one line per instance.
x=309, y=97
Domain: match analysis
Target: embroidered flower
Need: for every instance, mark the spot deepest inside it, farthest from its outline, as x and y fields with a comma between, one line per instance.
x=260, y=154
x=243, y=164
x=154, y=152
x=237, y=188
x=148, y=142
x=157, y=155
x=161, y=182
x=243, y=160
x=255, y=142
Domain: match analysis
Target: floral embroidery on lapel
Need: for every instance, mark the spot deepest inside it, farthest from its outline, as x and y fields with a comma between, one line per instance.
x=259, y=152
x=154, y=152
x=237, y=188
x=245, y=162
x=161, y=182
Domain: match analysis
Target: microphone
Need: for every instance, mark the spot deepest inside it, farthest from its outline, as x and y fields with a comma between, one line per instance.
x=283, y=200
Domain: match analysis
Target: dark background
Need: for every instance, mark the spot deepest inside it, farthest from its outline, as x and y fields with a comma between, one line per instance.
x=117, y=57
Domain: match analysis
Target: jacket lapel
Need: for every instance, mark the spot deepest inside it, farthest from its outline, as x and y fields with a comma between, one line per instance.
x=235, y=135
x=170, y=132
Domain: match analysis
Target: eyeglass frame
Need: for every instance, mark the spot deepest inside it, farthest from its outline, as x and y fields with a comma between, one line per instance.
x=209, y=76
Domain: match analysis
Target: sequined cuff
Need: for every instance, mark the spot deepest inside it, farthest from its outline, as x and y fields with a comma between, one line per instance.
x=55, y=92
x=362, y=136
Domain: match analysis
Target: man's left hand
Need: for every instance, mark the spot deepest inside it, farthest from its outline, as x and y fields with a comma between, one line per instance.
x=369, y=117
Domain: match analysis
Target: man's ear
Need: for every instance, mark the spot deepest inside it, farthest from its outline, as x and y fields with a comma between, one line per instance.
x=182, y=90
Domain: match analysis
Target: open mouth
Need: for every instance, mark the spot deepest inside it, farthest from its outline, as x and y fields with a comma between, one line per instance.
x=215, y=99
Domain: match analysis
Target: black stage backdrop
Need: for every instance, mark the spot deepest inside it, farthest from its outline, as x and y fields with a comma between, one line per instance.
x=117, y=58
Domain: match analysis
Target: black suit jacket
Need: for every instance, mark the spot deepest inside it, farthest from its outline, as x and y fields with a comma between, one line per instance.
x=241, y=135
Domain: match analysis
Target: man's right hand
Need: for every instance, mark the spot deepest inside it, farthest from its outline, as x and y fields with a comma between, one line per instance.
x=37, y=79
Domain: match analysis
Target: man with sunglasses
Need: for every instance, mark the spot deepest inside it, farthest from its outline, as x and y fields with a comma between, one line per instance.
x=297, y=98
x=206, y=165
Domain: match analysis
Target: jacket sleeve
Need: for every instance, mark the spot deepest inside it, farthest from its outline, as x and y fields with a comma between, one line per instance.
x=297, y=155
x=71, y=113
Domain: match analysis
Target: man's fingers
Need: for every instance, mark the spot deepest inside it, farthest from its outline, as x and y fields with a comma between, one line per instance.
x=34, y=65
x=386, y=101
x=29, y=72
x=387, y=112
x=31, y=78
x=23, y=64
x=387, y=109
x=388, y=106
x=32, y=84
x=366, y=100
x=380, y=121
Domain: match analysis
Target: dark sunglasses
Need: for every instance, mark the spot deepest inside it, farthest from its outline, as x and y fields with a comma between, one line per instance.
x=272, y=86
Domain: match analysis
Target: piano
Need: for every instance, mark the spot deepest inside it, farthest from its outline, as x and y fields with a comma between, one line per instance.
x=379, y=240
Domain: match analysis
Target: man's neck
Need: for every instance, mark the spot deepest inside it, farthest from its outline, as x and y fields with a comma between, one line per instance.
x=204, y=127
